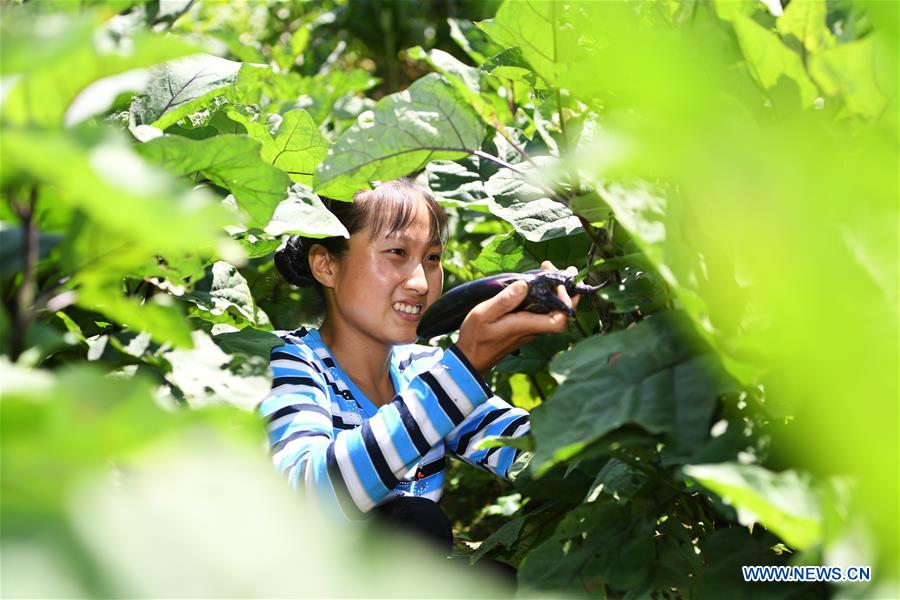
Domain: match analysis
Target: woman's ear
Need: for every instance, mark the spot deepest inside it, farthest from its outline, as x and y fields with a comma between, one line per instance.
x=323, y=265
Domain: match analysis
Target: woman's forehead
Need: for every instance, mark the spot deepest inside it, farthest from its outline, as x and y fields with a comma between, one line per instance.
x=418, y=225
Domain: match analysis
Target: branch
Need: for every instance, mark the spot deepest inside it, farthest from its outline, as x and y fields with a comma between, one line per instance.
x=26, y=293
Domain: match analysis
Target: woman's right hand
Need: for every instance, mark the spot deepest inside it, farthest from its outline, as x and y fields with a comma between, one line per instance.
x=491, y=331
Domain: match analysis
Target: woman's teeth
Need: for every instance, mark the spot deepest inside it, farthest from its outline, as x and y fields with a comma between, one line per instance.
x=406, y=308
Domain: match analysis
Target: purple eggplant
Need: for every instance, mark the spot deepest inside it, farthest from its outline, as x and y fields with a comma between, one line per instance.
x=449, y=311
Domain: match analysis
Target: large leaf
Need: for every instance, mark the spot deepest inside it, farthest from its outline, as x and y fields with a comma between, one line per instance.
x=592, y=547
x=535, y=28
x=223, y=296
x=784, y=503
x=463, y=182
x=661, y=381
x=295, y=145
x=805, y=22
x=508, y=252
x=148, y=207
x=44, y=89
x=520, y=202
x=159, y=317
x=229, y=161
x=769, y=60
x=182, y=87
x=849, y=72
x=53, y=431
x=303, y=213
x=405, y=131
x=464, y=79
x=472, y=40
x=203, y=376
x=729, y=549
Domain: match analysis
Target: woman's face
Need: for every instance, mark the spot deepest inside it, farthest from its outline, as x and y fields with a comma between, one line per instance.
x=384, y=284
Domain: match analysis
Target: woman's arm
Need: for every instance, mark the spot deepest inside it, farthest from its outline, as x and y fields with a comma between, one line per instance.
x=495, y=418
x=353, y=471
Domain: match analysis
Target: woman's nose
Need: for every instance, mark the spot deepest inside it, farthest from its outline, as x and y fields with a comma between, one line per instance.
x=417, y=282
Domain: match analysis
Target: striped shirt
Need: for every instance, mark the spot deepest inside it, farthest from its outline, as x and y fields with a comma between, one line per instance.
x=348, y=455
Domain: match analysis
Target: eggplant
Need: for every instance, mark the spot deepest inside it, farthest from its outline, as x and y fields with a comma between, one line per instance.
x=449, y=311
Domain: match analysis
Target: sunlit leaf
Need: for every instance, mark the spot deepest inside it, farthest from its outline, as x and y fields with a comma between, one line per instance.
x=783, y=502
x=303, y=213
x=224, y=297
x=182, y=87
x=203, y=376
x=805, y=21
x=659, y=381
x=769, y=60
x=405, y=131
x=230, y=161
x=42, y=93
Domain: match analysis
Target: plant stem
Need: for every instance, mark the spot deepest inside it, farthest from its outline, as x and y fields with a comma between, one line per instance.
x=562, y=122
x=25, y=295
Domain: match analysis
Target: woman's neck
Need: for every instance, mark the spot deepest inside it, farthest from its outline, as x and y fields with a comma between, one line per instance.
x=365, y=360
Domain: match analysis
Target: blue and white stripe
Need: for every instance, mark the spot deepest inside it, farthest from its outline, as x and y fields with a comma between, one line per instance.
x=323, y=440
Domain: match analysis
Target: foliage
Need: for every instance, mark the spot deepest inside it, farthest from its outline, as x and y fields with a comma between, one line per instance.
x=727, y=169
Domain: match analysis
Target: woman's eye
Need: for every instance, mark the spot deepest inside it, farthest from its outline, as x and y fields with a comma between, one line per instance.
x=434, y=257
x=398, y=251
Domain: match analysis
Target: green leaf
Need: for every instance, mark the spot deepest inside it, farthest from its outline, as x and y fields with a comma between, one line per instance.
x=726, y=551
x=534, y=27
x=457, y=183
x=618, y=480
x=464, y=79
x=769, y=60
x=223, y=296
x=849, y=72
x=594, y=545
x=462, y=183
x=303, y=213
x=525, y=206
x=249, y=341
x=505, y=536
x=159, y=317
x=509, y=252
x=203, y=376
x=150, y=208
x=53, y=431
x=533, y=356
x=181, y=87
x=784, y=503
x=591, y=207
x=297, y=147
x=42, y=92
x=805, y=21
x=510, y=64
x=472, y=40
x=661, y=380
x=405, y=131
x=229, y=161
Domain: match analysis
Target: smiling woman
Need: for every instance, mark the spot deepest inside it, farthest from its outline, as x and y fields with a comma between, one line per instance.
x=359, y=416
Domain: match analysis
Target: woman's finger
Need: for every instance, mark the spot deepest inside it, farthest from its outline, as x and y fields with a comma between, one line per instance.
x=548, y=266
x=529, y=323
x=564, y=296
x=502, y=303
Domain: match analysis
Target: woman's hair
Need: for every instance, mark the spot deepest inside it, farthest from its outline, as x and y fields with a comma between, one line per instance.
x=387, y=209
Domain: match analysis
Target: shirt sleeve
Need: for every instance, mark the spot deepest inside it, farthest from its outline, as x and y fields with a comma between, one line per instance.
x=352, y=471
x=495, y=418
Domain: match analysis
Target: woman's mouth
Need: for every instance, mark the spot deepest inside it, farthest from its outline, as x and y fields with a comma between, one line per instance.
x=410, y=312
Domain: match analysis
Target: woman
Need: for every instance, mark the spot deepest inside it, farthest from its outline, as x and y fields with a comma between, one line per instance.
x=359, y=416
